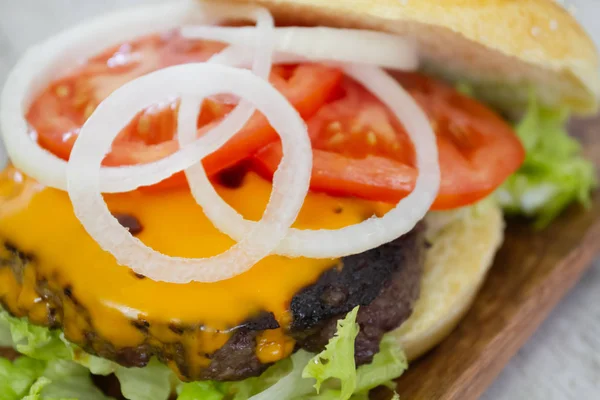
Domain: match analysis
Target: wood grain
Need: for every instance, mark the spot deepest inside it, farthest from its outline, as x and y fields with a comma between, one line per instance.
x=532, y=272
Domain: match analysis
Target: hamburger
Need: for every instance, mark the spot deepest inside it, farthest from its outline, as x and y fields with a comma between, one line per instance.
x=392, y=135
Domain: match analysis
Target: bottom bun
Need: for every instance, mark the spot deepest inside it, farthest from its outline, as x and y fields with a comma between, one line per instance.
x=463, y=245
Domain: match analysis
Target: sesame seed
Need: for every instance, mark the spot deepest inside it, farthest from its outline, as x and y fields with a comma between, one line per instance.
x=535, y=31
x=572, y=9
x=553, y=25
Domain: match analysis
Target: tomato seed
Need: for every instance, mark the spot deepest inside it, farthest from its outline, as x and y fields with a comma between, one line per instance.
x=63, y=91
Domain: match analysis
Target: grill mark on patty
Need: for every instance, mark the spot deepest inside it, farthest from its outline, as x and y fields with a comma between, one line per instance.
x=384, y=281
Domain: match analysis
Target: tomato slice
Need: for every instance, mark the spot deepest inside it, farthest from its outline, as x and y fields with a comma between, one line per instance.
x=307, y=87
x=361, y=150
x=58, y=113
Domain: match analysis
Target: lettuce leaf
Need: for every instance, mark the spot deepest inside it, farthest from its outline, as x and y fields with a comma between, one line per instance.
x=292, y=384
x=554, y=173
x=35, y=341
x=68, y=367
x=387, y=365
x=68, y=380
x=337, y=360
x=201, y=390
x=5, y=333
x=17, y=377
x=35, y=392
x=30, y=379
x=58, y=370
x=150, y=383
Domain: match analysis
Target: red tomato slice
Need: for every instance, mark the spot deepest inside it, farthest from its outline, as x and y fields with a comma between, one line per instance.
x=58, y=113
x=361, y=150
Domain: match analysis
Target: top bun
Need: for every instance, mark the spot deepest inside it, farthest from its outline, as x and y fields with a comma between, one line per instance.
x=505, y=48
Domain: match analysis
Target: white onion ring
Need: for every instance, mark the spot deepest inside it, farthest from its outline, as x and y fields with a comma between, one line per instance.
x=188, y=111
x=290, y=182
x=43, y=63
x=254, y=238
x=322, y=44
x=371, y=233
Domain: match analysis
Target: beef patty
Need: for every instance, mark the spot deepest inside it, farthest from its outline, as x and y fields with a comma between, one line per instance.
x=384, y=282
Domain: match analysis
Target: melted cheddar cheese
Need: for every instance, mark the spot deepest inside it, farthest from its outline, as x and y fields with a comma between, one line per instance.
x=40, y=221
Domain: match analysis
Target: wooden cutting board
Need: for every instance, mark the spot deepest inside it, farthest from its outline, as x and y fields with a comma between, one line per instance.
x=531, y=273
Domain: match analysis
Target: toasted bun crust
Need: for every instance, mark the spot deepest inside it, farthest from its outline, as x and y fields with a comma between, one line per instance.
x=504, y=47
x=464, y=243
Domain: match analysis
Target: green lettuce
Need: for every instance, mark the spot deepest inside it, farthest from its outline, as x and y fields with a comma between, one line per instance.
x=17, y=377
x=149, y=383
x=387, y=365
x=68, y=380
x=35, y=341
x=30, y=379
x=337, y=360
x=201, y=390
x=35, y=392
x=55, y=369
x=554, y=173
x=68, y=367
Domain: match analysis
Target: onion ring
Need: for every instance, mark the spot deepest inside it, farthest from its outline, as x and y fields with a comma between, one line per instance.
x=371, y=233
x=44, y=62
x=322, y=44
x=290, y=182
x=186, y=120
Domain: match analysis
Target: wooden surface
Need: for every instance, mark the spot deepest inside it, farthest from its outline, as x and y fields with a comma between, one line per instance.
x=532, y=272
x=561, y=361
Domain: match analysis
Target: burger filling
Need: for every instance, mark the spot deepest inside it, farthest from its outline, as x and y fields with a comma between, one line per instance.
x=229, y=330
x=64, y=297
